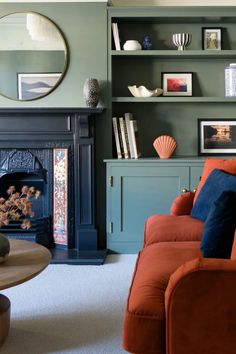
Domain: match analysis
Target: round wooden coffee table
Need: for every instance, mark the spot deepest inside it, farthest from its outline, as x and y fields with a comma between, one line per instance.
x=26, y=260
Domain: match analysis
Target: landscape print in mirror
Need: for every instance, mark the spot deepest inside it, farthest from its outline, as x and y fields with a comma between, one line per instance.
x=177, y=84
x=211, y=38
x=217, y=136
x=32, y=86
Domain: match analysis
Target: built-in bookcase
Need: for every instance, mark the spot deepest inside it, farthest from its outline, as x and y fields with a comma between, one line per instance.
x=175, y=116
x=138, y=188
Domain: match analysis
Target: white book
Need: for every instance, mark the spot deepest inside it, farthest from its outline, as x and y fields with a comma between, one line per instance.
x=128, y=118
x=116, y=36
x=123, y=136
x=117, y=138
x=135, y=139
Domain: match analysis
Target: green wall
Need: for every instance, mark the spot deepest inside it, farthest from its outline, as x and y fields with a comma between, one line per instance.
x=84, y=26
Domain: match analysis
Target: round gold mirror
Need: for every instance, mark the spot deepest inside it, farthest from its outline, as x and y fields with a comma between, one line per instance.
x=33, y=56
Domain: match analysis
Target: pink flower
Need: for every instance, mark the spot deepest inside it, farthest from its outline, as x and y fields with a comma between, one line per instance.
x=11, y=189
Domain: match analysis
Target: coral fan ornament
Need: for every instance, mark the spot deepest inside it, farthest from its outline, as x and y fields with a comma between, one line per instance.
x=165, y=146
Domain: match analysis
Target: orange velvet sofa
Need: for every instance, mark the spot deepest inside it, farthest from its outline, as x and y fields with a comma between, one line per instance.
x=180, y=302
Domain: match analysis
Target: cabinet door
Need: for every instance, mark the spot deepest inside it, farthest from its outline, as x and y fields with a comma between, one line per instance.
x=137, y=193
x=195, y=176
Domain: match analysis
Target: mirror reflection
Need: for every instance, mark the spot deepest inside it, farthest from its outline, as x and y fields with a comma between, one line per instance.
x=33, y=56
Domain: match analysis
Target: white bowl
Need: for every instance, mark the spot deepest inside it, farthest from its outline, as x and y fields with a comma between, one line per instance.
x=142, y=91
x=132, y=45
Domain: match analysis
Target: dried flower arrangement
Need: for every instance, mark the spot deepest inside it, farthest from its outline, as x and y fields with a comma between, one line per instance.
x=18, y=206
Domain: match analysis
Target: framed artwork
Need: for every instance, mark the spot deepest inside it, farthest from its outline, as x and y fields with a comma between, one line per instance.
x=31, y=86
x=217, y=136
x=211, y=38
x=177, y=84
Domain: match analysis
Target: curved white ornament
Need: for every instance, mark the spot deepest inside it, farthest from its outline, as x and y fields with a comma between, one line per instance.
x=142, y=91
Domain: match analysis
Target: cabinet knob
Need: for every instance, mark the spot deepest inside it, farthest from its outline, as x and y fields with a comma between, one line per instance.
x=194, y=190
x=184, y=190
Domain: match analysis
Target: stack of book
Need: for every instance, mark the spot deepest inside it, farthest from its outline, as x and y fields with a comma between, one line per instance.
x=126, y=137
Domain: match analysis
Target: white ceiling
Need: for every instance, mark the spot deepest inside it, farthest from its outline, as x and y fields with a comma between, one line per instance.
x=143, y=2
x=174, y=2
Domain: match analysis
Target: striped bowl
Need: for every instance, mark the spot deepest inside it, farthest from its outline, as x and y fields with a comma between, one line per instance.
x=181, y=40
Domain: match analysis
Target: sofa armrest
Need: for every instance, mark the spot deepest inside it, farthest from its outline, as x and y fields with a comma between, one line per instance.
x=182, y=205
x=200, y=303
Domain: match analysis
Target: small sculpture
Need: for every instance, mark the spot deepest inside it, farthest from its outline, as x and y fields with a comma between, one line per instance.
x=165, y=146
x=182, y=40
x=142, y=91
x=147, y=44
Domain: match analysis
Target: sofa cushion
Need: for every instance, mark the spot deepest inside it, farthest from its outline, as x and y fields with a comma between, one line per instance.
x=217, y=182
x=163, y=228
x=226, y=165
x=219, y=228
x=182, y=205
x=233, y=250
x=144, y=325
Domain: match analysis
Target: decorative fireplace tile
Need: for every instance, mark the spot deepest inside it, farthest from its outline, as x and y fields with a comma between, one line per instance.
x=60, y=196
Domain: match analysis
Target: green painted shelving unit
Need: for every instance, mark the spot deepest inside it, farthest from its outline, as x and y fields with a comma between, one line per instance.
x=174, y=116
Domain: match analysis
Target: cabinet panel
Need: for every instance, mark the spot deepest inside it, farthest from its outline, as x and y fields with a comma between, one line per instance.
x=195, y=176
x=137, y=193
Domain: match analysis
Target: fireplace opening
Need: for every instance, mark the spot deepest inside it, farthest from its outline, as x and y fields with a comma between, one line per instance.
x=21, y=179
x=41, y=229
x=22, y=168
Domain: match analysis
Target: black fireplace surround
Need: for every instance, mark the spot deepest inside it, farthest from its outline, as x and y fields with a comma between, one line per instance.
x=28, y=141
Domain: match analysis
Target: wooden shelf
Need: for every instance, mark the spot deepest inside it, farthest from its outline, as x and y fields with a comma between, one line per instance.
x=166, y=99
x=221, y=54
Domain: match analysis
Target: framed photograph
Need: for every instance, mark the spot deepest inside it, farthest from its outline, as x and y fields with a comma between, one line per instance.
x=177, y=84
x=217, y=136
x=31, y=86
x=211, y=38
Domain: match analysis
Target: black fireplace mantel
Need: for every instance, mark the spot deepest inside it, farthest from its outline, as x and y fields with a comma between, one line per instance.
x=35, y=128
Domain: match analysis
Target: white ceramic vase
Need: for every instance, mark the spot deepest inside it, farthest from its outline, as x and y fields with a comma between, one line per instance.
x=132, y=45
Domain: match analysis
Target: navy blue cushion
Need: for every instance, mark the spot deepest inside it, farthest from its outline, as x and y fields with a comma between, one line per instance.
x=217, y=182
x=219, y=227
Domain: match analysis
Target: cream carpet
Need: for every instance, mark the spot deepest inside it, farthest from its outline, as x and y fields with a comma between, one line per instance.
x=71, y=309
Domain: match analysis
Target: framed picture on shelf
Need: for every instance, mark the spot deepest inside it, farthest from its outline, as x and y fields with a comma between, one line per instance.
x=211, y=38
x=177, y=84
x=217, y=136
x=33, y=85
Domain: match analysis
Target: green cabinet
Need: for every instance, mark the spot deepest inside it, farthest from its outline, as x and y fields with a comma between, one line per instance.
x=139, y=188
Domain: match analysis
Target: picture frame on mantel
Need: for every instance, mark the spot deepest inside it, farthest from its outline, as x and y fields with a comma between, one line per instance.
x=177, y=84
x=217, y=136
x=212, y=38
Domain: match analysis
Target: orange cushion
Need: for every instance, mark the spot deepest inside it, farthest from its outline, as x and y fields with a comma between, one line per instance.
x=227, y=165
x=233, y=251
x=182, y=204
x=163, y=228
x=144, y=325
